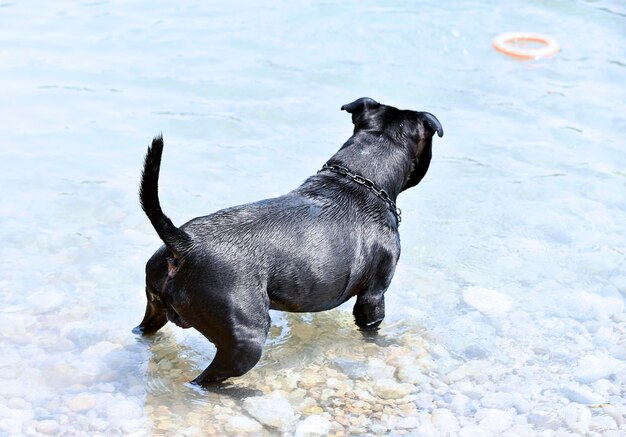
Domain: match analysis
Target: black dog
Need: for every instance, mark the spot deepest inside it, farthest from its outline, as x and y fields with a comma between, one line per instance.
x=334, y=237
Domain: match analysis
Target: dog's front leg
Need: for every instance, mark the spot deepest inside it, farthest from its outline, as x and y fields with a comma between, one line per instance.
x=369, y=310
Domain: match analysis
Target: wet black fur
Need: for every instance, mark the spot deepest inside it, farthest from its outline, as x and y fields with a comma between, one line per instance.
x=308, y=250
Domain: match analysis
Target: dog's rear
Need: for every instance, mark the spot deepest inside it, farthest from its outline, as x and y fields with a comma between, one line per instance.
x=176, y=240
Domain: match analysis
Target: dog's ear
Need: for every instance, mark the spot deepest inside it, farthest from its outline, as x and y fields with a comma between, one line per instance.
x=362, y=111
x=359, y=105
x=424, y=150
x=431, y=121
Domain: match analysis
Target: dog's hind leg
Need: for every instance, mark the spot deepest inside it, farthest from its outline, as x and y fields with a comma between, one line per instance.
x=155, y=316
x=239, y=339
x=229, y=363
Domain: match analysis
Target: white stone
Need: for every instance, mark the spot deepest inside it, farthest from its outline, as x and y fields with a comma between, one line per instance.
x=494, y=421
x=408, y=422
x=603, y=423
x=521, y=403
x=44, y=301
x=10, y=359
x=122, y=410
x=20, y=324
x=473, y=391
x=389, y=389
x=378, y=369
x=98, y=424
x=290, y=381
x=410, y=373
x=274, y=411
x=498, y=400
x=310, y=379
x=47, y=427
x=313, y=426
x=297, y=394
x=303, y=405
x=424, y=401
x=364, y=396
x=582, y=395
x=426, y=428
x=544, y=419
x=378, y=429
x=585, y=305
x=486, y=300
x=106, y=387
x=333, y=382
x=473, y=431
x=596, y=366
x=606, y=336
x=81, y=402
x=605, y=387
x=21, y=415
x=445, y=422
x=617, y=412
x=578, y=418
x=17, y=404
x=12, y=426
x=460, y=404
x=327, y=393
x=524, y=430
x=130, y=426
x=239, y=423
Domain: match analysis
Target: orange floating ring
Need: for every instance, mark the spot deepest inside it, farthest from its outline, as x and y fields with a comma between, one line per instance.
x=505, y=43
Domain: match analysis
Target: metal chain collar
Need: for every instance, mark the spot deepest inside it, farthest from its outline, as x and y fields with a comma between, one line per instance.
x=379, y=192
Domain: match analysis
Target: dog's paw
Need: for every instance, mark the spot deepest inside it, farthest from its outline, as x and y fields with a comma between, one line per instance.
x=144, y=331
x=370, y=327
x=206, y=383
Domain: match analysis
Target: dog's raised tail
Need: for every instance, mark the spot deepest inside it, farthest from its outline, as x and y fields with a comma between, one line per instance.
x=177, y=240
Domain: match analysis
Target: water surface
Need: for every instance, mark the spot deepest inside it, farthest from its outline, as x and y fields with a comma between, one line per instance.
x=506, y=314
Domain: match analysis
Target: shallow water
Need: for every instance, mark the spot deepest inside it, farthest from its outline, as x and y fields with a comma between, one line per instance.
x=506, y=314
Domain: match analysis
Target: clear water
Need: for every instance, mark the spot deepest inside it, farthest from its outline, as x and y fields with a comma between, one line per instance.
x=506, y=314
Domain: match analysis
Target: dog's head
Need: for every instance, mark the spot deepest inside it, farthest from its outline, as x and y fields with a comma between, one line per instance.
x=410, y=130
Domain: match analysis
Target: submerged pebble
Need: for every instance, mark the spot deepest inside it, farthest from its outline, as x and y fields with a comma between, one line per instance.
x=272, y=410
x=410, y=373
x=389, y=389
x=494, y=421
x=50, y=427
x=445, y=422
x=123, y=409
x=81, y=402
x=242, y=424
x=486, y=300
x=596, y=366
x=578, y=418
x=379, y=369
x=498, y=400
x=581, y=395
x=313, y=426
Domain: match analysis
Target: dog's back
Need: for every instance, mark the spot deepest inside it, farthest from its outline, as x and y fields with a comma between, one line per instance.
x=312, y=240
